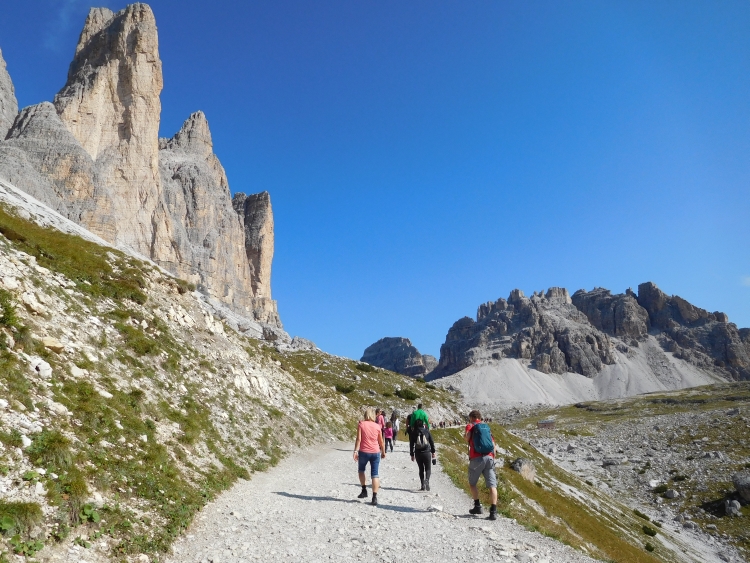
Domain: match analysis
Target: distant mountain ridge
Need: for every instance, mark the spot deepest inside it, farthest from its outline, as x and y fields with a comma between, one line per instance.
x=579, y=334
x=95, y=157
x=554, y=348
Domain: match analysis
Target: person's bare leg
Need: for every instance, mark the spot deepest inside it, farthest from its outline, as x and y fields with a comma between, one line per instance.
x=375, y=484
x=493, y=493
x=475, y=491
x=362, y=479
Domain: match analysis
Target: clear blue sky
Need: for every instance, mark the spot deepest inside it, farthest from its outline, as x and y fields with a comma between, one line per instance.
x=424, y=157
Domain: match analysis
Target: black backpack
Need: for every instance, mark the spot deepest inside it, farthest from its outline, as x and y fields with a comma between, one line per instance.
x=421, y=441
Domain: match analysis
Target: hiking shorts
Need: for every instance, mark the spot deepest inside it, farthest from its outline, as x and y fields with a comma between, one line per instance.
x=373, y=460
x=482, y=466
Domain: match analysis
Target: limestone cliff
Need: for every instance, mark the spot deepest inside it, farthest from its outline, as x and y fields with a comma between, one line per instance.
x=96, y=158
x=8, y=102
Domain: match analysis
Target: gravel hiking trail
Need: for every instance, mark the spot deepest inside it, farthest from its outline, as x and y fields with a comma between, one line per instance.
x=306, y=509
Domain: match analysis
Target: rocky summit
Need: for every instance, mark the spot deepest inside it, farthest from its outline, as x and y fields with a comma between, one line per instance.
x=399, y=355
x=554, y=348
x=95, y=157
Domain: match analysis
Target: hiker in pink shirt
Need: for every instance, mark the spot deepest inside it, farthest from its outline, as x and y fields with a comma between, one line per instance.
x=369, y=448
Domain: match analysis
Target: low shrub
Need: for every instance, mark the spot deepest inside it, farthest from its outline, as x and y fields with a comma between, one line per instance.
x=649, y=531
x=640, y=514
x=649, y=547
x=345, y=389
x=660, y=489
x=407, y=394
x=364, y=367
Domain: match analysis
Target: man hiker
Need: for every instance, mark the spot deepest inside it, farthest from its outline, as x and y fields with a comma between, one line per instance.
x=481, y=461
x=419, y=414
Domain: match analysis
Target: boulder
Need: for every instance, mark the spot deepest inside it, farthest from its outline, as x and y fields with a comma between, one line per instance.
x=732, y=508
x=525, y=467
x=741, y=482
x=53, y=344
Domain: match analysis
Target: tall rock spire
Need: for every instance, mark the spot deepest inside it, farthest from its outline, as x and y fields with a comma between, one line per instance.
x=8, y=102
x=111, y=105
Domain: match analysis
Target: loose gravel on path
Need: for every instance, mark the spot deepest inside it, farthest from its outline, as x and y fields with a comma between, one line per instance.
x=306, y=509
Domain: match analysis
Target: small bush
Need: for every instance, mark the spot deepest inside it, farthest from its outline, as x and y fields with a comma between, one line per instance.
x=660, y=489
x=649, y=531
x=364, y=367
x=51, y=448
x=407, y=394
x=345, y=389
x=7, y=311
x=649, y=547
x=19, y=517
x=678, y=478
x=640, y=514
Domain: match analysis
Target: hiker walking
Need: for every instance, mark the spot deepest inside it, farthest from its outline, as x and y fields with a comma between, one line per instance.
x=380, y=419
x=396, y=424
x=369, y=448
x=481, y=461
x=388, y=433
x=419, y=414
x=422, y=450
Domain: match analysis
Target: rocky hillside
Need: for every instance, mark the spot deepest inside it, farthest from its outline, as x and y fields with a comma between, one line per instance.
x=128, y=400
x=399, y=355
x=554, y=348
x=95, y=157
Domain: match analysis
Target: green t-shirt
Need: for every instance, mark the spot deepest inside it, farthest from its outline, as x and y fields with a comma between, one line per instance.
x=418, y=414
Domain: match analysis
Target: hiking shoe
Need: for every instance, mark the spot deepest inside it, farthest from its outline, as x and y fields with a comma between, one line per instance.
x=427, y=485
x=374, y=500
x=363, y=494
x=476, y=510
x=422, y=487
x=492, y=516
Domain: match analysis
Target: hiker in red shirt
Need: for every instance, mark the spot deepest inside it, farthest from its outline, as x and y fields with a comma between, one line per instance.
x=481, y=461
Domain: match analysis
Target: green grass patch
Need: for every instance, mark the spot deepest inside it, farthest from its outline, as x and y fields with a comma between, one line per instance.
x=79, y=260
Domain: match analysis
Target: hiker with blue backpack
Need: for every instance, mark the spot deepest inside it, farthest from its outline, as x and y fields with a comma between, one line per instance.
x=481, y=461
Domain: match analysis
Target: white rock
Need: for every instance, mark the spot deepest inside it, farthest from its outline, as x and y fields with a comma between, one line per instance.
x=3, y=404
x=143, y=438
x=41, y=367
x=25, y=442
x=39, y=489
x=10, y=283
x=75, y=371
x=105, y=394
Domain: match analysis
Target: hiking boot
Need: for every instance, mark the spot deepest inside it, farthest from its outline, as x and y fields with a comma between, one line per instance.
x=427, y=484
x=421, y=488
x=363, y=494
x=374, y=500
x=492, y=516
x=476, y=510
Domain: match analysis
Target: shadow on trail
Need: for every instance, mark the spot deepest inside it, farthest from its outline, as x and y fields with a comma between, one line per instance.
x=413, y=491
x=310, y=497
x=348, y=501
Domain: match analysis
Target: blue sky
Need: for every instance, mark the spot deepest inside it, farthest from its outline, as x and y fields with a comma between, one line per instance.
x=425, y=157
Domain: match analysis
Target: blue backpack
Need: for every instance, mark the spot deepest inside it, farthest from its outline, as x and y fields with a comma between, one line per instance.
x=481, y=436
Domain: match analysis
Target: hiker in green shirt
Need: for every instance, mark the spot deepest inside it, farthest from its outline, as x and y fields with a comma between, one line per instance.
x=419, y=414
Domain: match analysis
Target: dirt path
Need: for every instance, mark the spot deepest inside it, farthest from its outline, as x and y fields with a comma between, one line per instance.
x=306, y=509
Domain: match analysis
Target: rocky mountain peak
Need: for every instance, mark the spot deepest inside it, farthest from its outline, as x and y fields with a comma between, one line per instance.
x=194, y=136
x=8, y=102
x=398, y=354
x=96, y=21
x=97, y=159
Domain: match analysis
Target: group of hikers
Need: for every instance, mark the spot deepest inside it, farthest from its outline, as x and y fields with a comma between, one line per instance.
x=375, y=435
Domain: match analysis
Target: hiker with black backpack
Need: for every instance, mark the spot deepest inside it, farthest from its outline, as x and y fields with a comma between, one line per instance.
x=422, y=449
x=481, y=461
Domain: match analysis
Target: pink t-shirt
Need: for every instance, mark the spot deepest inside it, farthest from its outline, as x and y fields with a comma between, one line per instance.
x=369, y=441
x=388, y=432
x=380, y=420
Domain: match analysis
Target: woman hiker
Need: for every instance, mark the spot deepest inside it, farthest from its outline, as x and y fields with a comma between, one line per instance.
x=369, y=448
x=421, y=449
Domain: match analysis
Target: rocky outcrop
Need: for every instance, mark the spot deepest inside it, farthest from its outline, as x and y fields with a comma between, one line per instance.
x=95, y=157
x=707, y=340
x=399, y=355
x=257, y=216
x=8, y=102
x=546, y=329
x=207, y=238
x=43, y=158
x=617, y=315
x=555, y=333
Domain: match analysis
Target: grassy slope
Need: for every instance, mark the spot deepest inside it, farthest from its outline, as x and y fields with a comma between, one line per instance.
x=597, y=525
x=152, y=484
